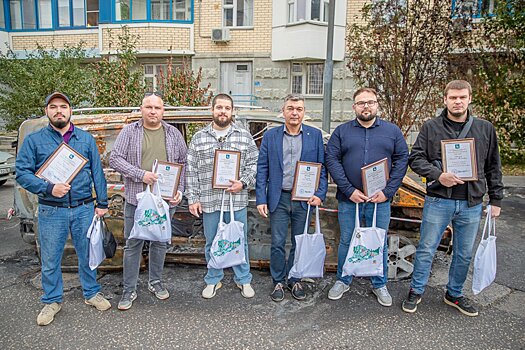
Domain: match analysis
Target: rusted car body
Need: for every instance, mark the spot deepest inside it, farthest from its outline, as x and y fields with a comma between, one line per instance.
x=188, y=239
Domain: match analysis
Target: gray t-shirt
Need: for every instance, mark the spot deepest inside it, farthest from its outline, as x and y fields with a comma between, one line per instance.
x=292, y=147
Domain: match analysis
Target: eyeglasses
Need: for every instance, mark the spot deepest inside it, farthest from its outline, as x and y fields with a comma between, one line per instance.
x=363, y=103
x=148, y=94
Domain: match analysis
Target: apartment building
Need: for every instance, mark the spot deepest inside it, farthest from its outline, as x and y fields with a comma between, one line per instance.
x=257, y=50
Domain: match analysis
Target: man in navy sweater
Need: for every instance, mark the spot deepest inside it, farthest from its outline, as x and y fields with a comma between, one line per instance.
x=353, y=145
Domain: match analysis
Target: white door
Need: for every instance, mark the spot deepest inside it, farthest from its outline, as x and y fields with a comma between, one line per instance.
x=236, y=80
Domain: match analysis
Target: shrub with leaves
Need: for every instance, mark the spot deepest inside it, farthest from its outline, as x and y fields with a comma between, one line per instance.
x=117, y=83
x=25, y=82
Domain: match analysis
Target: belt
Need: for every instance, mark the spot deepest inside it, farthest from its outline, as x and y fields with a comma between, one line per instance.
x=286, y=191
x=65, y=204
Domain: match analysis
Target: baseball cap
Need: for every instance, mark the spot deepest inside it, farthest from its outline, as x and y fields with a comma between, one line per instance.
x=57, y=94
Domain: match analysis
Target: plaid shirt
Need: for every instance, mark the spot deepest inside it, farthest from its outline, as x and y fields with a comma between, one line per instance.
x=201, y=153
x=126, y=156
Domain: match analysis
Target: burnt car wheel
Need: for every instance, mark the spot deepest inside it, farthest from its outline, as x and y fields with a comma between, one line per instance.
x=400, y=256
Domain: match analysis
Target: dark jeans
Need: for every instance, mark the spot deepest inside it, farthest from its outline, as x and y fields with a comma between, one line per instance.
x=287, y=211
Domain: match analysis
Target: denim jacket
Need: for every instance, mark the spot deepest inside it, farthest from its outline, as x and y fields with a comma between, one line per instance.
x=38, y=147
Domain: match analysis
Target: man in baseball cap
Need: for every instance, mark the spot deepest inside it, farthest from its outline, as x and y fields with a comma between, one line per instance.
x=57, y=94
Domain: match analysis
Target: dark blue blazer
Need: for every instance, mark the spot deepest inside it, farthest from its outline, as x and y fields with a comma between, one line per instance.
x=270, y=165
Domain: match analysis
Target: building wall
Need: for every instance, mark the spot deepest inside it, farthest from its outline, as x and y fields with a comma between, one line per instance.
x=58, y=40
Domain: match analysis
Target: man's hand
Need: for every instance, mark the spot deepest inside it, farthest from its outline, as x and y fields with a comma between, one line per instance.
x=177, y=199
x=495, y=211
x=315, y=201
x=449, y=180
x=100, y=212
x=236, y=186
x=60, y=190
x=196, y=209
x=358, y=197
x=150, y=178
x=379, y=197
x=263, y=210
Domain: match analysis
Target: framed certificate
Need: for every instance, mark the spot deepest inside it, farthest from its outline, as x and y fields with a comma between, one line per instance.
x=169, y=178
x=306, y=180
x=226, y=167
x=459, y=157
x=62, y=166
x=375, y=177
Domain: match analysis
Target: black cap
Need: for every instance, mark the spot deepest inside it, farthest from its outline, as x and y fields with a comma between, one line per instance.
x=57, y=94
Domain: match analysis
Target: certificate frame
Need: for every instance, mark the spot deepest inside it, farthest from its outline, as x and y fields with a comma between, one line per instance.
x=177, y=181
x=297, y=196
x=218, y=152
x=52, y=157
x=384, y=163
x=473, y=162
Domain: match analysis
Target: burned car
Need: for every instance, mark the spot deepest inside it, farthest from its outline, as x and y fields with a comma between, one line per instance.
x=187, y=235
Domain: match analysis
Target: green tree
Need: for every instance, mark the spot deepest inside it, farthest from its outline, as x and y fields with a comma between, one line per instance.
x=117, y=82
x=402, y=48
x=499, y=77
x=180, y=86
x=24, y=82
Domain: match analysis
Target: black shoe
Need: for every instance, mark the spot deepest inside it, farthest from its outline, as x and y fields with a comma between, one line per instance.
x=297, y=291
x=278, y=293
x=410, y=303
x=462, y=304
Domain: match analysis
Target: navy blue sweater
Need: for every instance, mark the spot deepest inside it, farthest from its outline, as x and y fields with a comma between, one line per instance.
x=352, y=146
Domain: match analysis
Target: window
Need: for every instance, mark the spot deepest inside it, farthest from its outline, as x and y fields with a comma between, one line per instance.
x=473, y=8
x=238, y=13
x=307, y=78
x=92, y=12
x=153, y=74
x=307, y=10
x=2, y=18
x=65, y=13
x=153, y=10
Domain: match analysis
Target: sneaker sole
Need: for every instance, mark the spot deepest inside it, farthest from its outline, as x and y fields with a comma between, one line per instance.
x=337, y=297
x=277, y=300
x=471, y=314
x=160, y=297
x=411, y=311
x=217, y=287
x=124, y=308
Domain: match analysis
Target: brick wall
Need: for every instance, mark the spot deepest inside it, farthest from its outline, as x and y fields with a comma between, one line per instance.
x=29, y=42
x=152, y=37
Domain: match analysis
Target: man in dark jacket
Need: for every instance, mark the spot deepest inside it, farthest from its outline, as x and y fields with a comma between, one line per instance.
x=63, y=208
x=451, y=198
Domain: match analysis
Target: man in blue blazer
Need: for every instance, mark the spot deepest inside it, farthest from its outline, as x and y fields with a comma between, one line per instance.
x=281, y=149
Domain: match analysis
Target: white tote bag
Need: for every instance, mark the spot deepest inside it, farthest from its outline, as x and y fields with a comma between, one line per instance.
x=485, y=259
x=365, y=254
x=152, y=217
x=227, y=249
x=310, y=251
x=96, y=243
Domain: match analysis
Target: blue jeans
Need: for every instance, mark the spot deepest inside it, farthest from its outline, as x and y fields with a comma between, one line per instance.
x=211, y=222
x=287, y=211
x=54, y=226
x=133, y=253
x=437, y=214
x=347, y=224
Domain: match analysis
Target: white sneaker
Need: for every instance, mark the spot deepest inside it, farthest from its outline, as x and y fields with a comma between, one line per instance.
x=337, y=290
x=47, y=315
x=210, y=290
x=246, y=290
x=383, y=297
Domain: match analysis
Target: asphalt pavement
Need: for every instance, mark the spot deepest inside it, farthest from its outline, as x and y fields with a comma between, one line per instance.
x=229, y=321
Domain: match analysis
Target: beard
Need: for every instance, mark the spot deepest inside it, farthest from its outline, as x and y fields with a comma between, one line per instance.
x=222, y=123
x=59, y=124
x=365, y=118
x=457, y=114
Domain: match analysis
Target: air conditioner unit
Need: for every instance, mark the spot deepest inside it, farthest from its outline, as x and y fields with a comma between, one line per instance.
x=220, y=35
